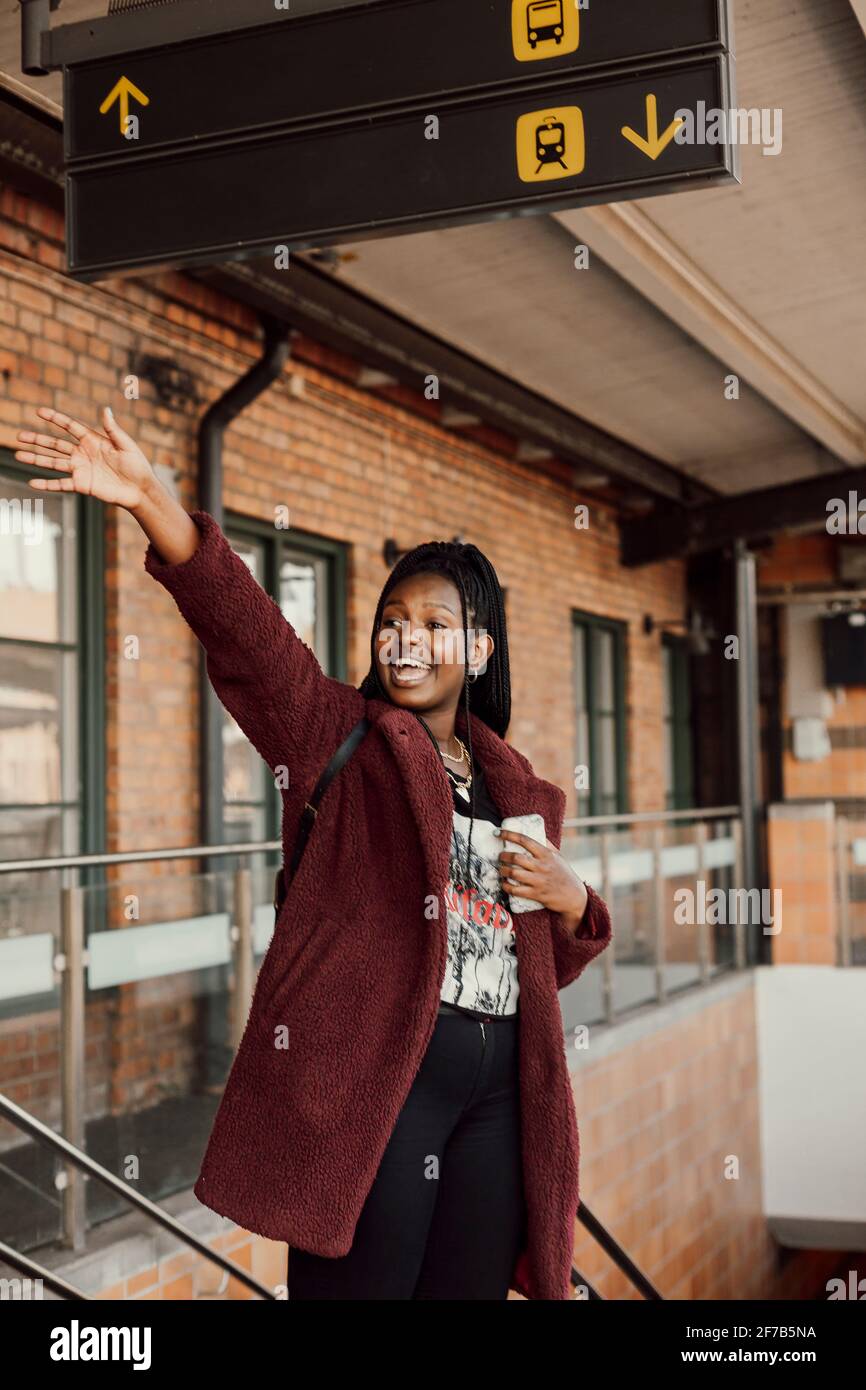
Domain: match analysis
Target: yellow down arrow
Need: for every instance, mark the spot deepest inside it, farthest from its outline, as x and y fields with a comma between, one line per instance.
x=122, y=90
x=653, y=143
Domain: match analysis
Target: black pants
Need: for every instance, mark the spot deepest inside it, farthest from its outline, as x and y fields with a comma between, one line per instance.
x=445, y=1217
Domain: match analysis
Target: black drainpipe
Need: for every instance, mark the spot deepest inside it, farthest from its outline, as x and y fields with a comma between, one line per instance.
x=277, y=350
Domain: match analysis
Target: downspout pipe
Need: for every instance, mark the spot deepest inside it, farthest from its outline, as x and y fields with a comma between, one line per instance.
x=277, y=350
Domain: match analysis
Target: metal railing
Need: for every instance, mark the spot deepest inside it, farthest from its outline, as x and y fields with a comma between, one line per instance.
x=71, y=962
x=77, y=1159
x=72, y=959
x=850, y=847
x=604, y=860
x=54, y=1281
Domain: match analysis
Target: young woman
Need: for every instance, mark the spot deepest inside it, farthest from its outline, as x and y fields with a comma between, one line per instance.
x=399, y=1110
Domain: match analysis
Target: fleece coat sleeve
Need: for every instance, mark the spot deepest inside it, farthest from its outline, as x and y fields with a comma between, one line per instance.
x=574, y=949
x=264, y=674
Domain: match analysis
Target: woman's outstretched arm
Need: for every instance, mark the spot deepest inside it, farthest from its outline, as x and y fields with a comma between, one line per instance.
x=262, y=671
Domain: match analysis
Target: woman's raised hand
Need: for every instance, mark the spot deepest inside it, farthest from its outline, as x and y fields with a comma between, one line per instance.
x=106, y=463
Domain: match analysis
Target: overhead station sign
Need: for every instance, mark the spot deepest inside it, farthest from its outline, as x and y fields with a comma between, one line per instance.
x=385, y=117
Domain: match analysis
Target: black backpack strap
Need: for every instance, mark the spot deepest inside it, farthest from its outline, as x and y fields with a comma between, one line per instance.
x=311, y=807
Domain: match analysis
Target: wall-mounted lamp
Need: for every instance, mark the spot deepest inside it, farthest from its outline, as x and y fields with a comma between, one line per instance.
x=698, y=634
x=174, y=386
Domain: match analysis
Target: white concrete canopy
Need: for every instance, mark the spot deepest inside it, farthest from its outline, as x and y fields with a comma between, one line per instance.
x=766, y=280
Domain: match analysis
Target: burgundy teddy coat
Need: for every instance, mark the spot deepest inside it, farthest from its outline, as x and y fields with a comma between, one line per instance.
x=355, y=966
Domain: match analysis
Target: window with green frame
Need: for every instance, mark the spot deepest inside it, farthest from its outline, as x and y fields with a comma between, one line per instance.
x=52, y=683
x=306, y=575
x=677, y=725
x=599, y=697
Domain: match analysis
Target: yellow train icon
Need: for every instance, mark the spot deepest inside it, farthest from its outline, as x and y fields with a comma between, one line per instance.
x=550, y=143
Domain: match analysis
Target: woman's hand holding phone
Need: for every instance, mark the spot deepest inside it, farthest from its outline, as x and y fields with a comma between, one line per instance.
x=539, y=872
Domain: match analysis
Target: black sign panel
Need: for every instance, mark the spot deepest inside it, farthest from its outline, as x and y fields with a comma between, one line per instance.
x=565, y=145
x=338, y=63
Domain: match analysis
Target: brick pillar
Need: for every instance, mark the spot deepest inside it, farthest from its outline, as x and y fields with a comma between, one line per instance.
x=802, y=864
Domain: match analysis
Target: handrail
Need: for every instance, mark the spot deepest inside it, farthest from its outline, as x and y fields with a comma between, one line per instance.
x=136, y=856
x=579, y=1281
x=649, y=817
x=29, y=1123
x=617, y=1254
x=139, y=856
x=16, y=1260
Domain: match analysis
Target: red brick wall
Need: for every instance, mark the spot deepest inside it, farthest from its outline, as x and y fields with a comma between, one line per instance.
x=659, y=1121
x=350, y=466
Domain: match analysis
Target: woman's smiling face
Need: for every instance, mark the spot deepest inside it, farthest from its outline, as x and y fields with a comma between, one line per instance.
x=419, y=645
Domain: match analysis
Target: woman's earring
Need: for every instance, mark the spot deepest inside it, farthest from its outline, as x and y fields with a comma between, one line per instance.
x=473, y=675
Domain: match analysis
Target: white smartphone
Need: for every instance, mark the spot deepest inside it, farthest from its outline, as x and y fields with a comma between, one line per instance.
x=532, y=826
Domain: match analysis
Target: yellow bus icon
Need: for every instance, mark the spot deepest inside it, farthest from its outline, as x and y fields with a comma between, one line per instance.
x=551, y=144
x=544, y=28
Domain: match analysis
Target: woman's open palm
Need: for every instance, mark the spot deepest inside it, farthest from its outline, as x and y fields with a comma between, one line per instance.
x=108, y=465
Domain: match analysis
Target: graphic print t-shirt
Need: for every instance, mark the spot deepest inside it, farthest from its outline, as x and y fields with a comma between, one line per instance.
x=481, y=973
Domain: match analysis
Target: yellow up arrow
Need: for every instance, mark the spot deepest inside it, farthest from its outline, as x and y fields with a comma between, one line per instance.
x=653, y=143
x=122, y=90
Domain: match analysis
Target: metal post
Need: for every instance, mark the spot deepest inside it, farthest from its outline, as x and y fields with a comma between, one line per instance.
x=739, y=926
x=747, y=713
x=842, y=859
x=242, y=935
x=659, y=897
x=608, y=955
x=702, y=925
x=71, y=964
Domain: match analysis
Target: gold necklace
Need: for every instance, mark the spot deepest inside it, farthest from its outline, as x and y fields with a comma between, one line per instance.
x=464, y=757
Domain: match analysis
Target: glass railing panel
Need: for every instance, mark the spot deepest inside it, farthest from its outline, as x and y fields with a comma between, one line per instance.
x=158, y=1044
x=693, y=894
x=856, y=872
x=30, y=1212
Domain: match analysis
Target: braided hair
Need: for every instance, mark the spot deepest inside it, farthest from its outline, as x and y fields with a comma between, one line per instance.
x=489, y=695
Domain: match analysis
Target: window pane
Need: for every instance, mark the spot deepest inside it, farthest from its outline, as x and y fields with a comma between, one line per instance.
x=605, y=698
x=301, y=592
x=251, y=552
x=29, y=834
x=667, y=681
x=684, y=688
x=669, y=769
x=37, y=568
x=583, y=738
x=31, y=681
x=598, y=714
x=606, y=774
x=243, y=769
x=244, y=823
x=304, y=602
x=580, y=667
x=581, y=747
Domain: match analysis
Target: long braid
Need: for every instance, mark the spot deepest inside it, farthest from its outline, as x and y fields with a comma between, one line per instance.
x=463, y=610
